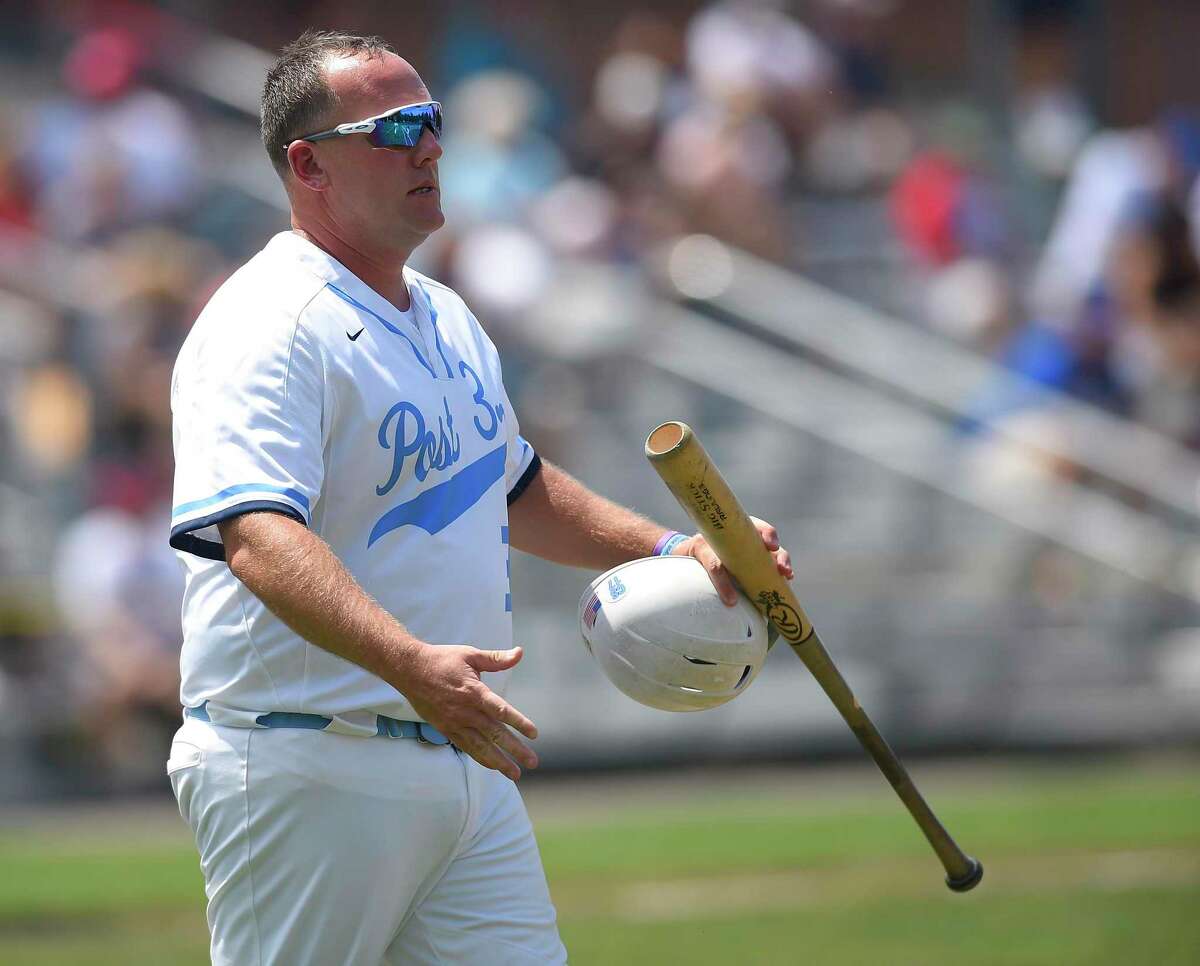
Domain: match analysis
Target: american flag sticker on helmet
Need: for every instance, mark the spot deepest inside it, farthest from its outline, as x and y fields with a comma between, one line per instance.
x=592, y=609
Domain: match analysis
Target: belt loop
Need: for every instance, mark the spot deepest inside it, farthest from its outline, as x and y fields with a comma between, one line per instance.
x=200, y=712
x=430, y=735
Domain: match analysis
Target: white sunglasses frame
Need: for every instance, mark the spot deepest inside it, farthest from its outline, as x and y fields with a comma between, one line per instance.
x=365, y=126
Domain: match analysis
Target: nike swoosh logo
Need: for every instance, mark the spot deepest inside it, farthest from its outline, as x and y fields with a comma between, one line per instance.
x=356, y=334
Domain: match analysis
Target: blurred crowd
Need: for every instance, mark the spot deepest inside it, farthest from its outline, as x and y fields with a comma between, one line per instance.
x=560, y=184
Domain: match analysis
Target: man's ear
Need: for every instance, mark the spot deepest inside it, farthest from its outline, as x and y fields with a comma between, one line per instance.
x=306, y=167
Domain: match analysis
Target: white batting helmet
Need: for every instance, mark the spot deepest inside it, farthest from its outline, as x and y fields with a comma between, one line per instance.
x=662, y=635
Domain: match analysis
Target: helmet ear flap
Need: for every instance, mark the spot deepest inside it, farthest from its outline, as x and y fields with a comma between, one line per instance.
x=661, y=634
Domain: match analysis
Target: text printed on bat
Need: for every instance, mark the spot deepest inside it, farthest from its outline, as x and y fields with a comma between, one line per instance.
x=706, y=505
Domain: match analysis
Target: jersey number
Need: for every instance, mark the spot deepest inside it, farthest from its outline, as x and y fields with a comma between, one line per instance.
x=494, y=414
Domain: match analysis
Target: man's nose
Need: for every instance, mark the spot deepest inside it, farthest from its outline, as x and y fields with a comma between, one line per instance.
x=427, y=149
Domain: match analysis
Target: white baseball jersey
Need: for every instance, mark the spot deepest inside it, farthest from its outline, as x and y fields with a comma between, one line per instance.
x=300, y=390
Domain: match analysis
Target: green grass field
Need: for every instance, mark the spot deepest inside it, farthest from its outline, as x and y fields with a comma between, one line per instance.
x=1090, y=864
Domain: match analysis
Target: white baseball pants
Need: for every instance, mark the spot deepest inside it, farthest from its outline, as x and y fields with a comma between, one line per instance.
x=321, y=849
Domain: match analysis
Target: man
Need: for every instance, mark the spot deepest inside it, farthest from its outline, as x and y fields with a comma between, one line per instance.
x=349, y=478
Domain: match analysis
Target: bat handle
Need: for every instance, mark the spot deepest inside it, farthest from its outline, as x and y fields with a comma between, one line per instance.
x=962, y=871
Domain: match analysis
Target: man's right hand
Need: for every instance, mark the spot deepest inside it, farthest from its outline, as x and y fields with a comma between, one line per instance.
x=442, y=684
x=295, y=573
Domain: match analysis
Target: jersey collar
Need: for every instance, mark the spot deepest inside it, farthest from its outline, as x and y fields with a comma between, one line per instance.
x=326, y=267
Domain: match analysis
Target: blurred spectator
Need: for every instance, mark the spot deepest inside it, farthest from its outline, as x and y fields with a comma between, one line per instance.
x=110, y=153
x=121, y=608
x=944, y=203
x=496, y=159
x=1133, y=345
x=973, y=302
x=725, y=163
x=948, y=211
x=1113, y=170
x=1078, y=361
x=860, y=151
x=52, y=415
x=861, y=141
x=1166, y=297
x=639, y=86
x=1171, y=402
x=926, y=202
x=751, y=51
x=1052, y=125
x=16, y=198
x=503, y=36
x=856, y=34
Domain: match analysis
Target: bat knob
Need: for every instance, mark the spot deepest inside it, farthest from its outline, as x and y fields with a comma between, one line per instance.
x=968, y=881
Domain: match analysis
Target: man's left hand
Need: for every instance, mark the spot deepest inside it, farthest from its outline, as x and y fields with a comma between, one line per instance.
x=698, y=547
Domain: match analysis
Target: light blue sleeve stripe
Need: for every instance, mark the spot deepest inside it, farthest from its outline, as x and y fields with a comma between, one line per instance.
x=229, y=491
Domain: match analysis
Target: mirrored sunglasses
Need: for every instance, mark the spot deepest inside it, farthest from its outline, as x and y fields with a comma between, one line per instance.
x=400, y=127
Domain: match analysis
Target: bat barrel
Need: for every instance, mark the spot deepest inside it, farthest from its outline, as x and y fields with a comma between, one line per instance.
x=693, y=478
x=664, y=438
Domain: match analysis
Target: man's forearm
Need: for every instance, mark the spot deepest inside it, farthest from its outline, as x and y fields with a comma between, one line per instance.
x=560, y=519
x=299, y=578
x=295, y=573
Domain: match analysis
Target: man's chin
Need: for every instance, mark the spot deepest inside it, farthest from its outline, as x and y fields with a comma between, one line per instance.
x=426, y=216
x=422, y=227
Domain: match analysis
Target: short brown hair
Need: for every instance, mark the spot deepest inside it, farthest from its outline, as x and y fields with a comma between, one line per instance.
x=296, y=98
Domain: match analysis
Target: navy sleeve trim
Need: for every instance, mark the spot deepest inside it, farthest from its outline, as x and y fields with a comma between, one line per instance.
x=526, y=478
x=183, y=536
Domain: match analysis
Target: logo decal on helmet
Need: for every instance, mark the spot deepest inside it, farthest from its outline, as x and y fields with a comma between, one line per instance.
x=591, y=610
x=616, y=589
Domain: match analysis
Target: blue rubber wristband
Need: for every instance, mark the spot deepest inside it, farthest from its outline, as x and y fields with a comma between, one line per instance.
x=668, y=542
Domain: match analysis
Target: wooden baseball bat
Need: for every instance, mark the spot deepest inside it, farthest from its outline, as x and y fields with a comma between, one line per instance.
x=690, y=474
